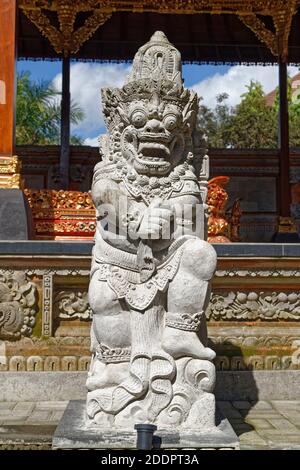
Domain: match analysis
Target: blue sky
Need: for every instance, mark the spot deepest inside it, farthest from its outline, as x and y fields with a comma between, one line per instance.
x=46, y=70
x=88, y=78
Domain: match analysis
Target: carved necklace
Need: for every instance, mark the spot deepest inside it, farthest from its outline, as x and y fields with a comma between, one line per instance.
x=148, y=188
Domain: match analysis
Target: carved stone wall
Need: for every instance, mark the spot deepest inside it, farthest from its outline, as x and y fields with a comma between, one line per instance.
x=253, y=316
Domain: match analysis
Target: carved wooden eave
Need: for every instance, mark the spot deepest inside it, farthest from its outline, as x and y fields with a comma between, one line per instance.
x=66, y=39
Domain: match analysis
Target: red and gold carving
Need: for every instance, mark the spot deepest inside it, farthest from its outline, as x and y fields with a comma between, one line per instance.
x=217, y=198
x=234, y=221
x=10, y=173
x=222, y=228
x=62, y=214
x=71, y=214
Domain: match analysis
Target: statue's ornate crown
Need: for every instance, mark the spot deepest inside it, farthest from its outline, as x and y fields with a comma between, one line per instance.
x=157, y=60
x=156, y=68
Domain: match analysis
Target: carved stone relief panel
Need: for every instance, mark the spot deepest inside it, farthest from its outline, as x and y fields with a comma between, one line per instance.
x=253, y=305
x=18, y=305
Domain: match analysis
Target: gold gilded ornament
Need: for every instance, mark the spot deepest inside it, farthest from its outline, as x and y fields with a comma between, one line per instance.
x=67, y=39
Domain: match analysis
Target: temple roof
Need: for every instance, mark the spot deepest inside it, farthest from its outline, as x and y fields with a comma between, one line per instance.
x=201, y=37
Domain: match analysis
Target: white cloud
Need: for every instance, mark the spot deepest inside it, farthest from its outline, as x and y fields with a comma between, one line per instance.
x=234, y=82
x=92, y=141
x=86, y=81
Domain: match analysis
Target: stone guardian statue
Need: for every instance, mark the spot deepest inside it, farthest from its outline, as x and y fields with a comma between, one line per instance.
x=151, y=268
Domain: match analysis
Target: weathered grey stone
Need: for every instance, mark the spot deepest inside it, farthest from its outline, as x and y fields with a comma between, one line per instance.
x=228, y=410
x=53, y=405
x=23, y=433
x=56, y=416
x=38, y=416
x=23, y=408
x=283, y=425
x=283, y=405
x=252, y=440
x=74, y=433
x=241, y=404
x=50, y=385
x=147, y=294
x=241, y=385
x=15, y=215
x=230, y=385
x=259, y=423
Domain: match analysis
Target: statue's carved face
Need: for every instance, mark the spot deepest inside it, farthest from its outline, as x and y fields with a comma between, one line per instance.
x=154, y=138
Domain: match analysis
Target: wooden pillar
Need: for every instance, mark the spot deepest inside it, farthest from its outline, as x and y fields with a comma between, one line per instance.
x=284, y=144
x=7, y=76
x=65, y=125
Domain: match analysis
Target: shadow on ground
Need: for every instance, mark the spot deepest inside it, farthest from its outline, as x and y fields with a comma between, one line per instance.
x=236, y=390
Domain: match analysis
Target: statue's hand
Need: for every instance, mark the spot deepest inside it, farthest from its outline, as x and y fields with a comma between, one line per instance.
x=156, y=222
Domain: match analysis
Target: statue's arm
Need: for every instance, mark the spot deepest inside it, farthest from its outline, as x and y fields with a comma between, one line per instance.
x=188, y=215
x=113, y=205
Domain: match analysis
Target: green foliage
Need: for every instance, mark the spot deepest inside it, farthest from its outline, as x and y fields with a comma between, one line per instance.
x=252, y=124
x=294, y=114
x=38, y=113
x=216, y=123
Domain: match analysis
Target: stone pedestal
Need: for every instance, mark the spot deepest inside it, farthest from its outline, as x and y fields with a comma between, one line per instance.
x=73, y=433
x=15, y=215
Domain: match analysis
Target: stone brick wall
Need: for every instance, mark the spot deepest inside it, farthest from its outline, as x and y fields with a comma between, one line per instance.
x=253, y=316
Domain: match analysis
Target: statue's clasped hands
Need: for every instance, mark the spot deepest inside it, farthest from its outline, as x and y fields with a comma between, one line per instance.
x=156, y=221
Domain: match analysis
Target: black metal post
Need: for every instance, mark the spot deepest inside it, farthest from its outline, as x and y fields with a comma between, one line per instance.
x=284, y=144
x=145, y=436
x=65, y=125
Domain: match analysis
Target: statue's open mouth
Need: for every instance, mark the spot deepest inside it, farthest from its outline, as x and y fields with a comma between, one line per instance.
x=155, y=148
x=151, y=151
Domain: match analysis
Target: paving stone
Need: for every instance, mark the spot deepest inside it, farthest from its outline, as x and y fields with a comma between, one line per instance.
x=292, y=415
x=277, y=436
x=260, y=414
x=5, y=414
x=252, y=438
x=261, y=406
x=7, y=405
x=239, y=420
x=38, y=416
x=259, y=423
x=242, y=405
x=23, y=407
x=14, y=420
x=240, y=428
x=283, y=425
x=56, y=416
x=286, y=405
x=51, y=405
x=228, y=410
x=291, y=404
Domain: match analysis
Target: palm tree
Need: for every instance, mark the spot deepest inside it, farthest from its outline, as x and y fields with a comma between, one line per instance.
x=38, y=113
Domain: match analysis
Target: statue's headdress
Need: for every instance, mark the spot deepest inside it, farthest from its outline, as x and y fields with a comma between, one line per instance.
x=157, y=60
x=156, y=68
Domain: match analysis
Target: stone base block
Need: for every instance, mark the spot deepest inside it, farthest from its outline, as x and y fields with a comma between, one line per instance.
x=16, y=221
x=73, y=433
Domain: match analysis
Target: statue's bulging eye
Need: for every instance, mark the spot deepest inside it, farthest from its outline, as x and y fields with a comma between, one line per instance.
x=138, y=118
x=170, y=121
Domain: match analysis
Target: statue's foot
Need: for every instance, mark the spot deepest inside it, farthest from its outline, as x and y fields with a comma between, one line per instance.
x=105, y=375
x=181, y=343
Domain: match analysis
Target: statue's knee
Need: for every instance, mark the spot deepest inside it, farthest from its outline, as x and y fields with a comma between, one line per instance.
x=199, y=258
x=102, y=298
